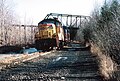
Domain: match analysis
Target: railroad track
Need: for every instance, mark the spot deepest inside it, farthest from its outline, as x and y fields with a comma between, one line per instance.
x=62, y=65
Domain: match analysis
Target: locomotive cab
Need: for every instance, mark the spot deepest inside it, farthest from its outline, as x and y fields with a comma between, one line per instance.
x=50, y=34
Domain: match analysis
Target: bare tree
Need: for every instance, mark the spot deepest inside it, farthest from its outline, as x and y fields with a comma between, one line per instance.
x=5, y=21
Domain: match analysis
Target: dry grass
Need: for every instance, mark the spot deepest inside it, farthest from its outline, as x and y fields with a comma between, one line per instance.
x=106, y=64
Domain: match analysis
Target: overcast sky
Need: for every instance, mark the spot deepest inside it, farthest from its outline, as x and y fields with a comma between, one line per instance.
x=36, y=10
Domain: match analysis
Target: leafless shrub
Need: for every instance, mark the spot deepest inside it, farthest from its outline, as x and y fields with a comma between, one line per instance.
x=103, y=31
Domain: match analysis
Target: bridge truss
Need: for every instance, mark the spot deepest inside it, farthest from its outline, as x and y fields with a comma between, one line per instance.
x=70, y=21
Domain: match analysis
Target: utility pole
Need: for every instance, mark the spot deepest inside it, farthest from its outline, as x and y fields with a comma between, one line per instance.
x=25, y=28
x=105, y=2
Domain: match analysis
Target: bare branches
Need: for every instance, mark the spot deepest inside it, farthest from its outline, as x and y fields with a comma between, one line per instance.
x=105, y=35
x=105, y=26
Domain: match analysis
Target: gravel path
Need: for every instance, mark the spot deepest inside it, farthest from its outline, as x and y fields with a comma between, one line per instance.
x=57, y=66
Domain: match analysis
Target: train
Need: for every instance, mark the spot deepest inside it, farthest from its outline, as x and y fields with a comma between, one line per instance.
x=51, y=34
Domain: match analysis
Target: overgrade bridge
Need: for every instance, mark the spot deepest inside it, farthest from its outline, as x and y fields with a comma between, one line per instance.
x=72, y=22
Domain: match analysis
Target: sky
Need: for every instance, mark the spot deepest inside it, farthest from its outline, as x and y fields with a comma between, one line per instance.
x=33, y=11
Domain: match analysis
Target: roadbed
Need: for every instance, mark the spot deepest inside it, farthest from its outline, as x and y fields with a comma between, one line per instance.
x=7, y=60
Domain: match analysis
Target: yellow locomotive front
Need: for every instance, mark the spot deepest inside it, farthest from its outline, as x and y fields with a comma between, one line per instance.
x=46, y=31
x=47, y=36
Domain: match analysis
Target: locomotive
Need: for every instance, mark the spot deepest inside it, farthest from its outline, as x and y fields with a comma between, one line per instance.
x=51, y=34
